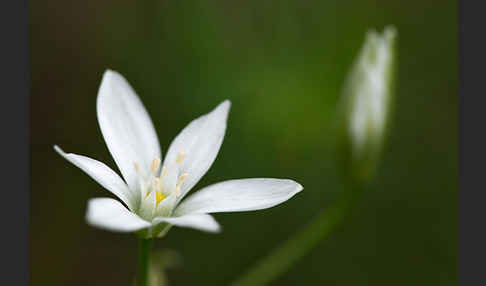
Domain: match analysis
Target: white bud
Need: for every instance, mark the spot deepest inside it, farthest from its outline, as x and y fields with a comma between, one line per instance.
x=368, y=97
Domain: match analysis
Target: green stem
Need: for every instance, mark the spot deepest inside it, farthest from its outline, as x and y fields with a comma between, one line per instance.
x=144, y=247
x=300, y=244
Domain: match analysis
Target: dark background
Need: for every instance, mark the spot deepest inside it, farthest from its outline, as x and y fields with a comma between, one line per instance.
x=282, y=64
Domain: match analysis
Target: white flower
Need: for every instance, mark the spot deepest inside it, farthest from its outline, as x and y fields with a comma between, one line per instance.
x=152, y=191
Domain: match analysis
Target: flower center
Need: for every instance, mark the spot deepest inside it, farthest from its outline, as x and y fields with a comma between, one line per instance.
x=168, y=183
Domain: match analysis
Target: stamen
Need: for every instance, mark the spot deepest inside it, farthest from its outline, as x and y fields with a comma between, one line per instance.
x=181, y=179
x=159, y=196
x=155, y=164
x=164, y=171
x=178, y=191
x=137, y=167
x=157, y=184
x=180, y=157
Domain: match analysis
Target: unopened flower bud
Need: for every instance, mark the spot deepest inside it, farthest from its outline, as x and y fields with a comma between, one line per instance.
x=367, y=99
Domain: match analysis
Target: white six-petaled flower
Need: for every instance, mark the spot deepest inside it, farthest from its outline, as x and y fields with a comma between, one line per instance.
x=152, y=190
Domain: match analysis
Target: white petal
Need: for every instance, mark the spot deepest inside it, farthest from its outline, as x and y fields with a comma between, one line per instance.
x=200, y=141
x=202, y=222
x=103, y=175
x=126, y=127
x=239, y=195
x=110, y=214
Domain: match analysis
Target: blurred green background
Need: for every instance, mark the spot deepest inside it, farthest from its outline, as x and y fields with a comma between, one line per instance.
x=282, y=64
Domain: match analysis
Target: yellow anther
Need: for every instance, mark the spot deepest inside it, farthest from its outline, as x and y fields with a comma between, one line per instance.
x=137, y=167
x=159, y=196
x=182, y=178
x=180, y=157
x=155, y=164
x=164, y=171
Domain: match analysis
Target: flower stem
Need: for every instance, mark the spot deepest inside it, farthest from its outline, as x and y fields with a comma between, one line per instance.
x=144, y=247
x=300, y=244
